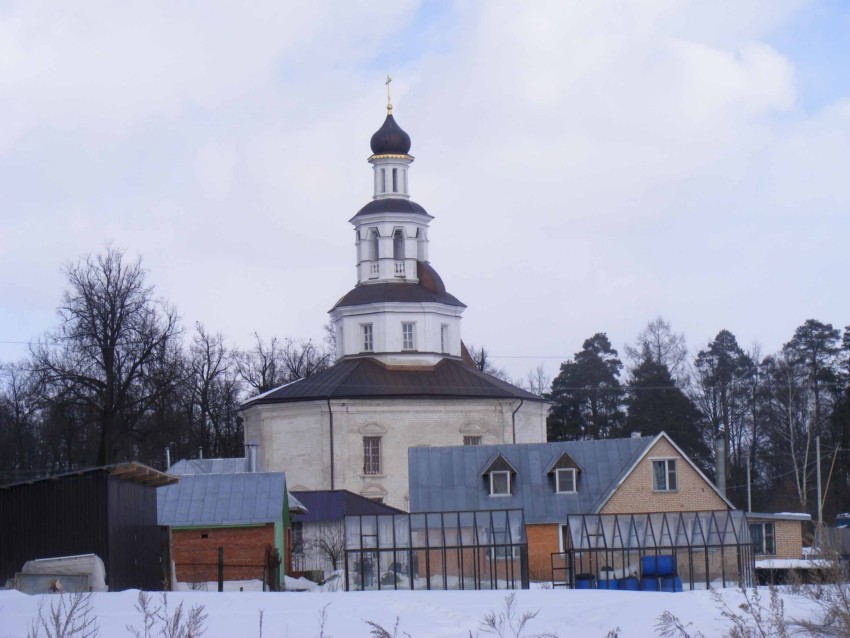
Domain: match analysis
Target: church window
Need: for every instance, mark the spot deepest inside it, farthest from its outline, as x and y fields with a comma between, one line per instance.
x=398, y=244
x=395, y=180
x=444, y=338
x=472, y=440
x=368, y=344
x=371, y=455
x=383, y=180
x=408, y=336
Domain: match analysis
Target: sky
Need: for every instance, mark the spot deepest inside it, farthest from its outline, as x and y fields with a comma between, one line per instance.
x=590, y=166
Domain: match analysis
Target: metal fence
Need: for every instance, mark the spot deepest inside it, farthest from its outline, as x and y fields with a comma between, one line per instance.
x=437, y=550
x=666, y=551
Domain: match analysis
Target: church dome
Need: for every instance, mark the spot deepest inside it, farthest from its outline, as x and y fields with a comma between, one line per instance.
x=390, y=139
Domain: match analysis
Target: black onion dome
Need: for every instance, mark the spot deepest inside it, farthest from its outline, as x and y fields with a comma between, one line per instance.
x=390, y=139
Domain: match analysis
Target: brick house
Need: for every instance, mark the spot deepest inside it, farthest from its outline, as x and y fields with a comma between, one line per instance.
x=777, y=536
x=246, y=514
x=551, y=481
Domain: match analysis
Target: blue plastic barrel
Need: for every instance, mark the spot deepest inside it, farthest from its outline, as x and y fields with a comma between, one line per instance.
x=671, y=583
x=664, y=565
x=628, y=584
x=649, y=583
x=584, y=582
x=607, y=583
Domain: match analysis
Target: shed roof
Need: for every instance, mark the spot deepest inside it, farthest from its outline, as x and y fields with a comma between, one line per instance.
x=129, y=471
x=335, y=505
x=446, y=478
x=208, y=500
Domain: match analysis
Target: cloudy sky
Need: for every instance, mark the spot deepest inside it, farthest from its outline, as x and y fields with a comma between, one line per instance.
x=590, y=165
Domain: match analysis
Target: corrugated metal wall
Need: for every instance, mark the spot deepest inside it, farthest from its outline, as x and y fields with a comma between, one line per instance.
x=91, y=513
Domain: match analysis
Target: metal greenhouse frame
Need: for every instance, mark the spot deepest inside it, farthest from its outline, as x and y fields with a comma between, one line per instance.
x=701, y=550
x=437, y=550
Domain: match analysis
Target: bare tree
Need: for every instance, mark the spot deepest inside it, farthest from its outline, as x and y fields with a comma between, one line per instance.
x=268, y=365
x=19, y=420
x=113, y=340
x=659, y=344
x=481, y=357
x=214, y=391
x=326, y=541
x=537, y=381
x=260, y=366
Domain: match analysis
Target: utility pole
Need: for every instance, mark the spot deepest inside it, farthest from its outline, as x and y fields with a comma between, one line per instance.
x=749, y=489
x=820, y=501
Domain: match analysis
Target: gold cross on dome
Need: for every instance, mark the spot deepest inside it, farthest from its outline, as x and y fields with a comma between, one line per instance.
x=389, y=103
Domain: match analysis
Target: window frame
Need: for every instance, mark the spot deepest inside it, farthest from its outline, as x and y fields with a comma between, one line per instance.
x=472, y=439
x=763, y=538
x=367, y=337
x=407, y=345
x=507, y=473
x=372, y=462
x=444, y=338
x=669, y=471
x=570, y=470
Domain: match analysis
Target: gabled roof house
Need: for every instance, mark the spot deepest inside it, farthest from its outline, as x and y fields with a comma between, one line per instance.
x=552, y=481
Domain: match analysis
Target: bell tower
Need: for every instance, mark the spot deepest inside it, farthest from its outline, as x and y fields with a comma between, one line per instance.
x=399, y=311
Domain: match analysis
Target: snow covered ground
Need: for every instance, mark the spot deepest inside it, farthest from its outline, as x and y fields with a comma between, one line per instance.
x=584, y=613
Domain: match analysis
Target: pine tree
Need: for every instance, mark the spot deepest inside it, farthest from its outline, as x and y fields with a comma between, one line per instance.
x=587, y=395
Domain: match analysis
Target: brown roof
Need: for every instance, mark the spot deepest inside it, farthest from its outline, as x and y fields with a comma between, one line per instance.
x=429, y=289
x=365, y=377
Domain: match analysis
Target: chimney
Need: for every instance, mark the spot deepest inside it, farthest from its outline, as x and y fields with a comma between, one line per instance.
x=200, y=452
x=251, y=454
x=167, y=458
x=635, y=435
x=720, y=460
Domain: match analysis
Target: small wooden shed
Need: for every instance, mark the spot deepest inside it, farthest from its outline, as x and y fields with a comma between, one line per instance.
x=109, y=511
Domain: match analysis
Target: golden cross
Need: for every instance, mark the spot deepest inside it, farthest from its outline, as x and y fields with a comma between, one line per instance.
x=389, y=103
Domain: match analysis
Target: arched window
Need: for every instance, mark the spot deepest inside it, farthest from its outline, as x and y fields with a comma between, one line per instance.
x=398, y=244
x=372, y=246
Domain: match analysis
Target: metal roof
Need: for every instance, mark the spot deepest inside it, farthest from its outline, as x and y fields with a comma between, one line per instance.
x=210, y=466
x=129, y=471
x=365, y=377
x=208, y=500
x=446, y=478
x=334, y=505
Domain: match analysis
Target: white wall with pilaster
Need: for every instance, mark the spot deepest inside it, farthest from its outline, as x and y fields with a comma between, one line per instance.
x=294, y=437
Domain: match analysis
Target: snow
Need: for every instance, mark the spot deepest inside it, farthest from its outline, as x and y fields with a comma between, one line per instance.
x=422, y=614
x=792, y=563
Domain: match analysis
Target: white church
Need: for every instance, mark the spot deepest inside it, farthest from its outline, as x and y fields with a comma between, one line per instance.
x=402, y=377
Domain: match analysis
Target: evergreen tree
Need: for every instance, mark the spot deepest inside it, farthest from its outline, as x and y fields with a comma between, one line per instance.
x=587, y=395
x=655, y=403
x=723, y=391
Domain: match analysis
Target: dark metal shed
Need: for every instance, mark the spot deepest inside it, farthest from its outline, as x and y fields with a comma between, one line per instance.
x=109, y=511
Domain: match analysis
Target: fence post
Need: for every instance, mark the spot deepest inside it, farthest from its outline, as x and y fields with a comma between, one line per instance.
x=221, y=569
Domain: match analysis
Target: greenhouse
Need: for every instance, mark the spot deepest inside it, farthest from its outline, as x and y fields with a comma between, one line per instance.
x=668, y=551
x=436, y=550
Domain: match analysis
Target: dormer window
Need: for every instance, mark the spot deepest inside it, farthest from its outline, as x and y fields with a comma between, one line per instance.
x=500, y=476
x=563, y=472
x=565, y=480
x=500, y=483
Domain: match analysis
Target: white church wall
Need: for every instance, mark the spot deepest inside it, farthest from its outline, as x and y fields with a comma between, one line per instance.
x=294, y=438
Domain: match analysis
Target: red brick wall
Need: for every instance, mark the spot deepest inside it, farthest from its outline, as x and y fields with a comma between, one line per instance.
x=195, y=552
x=542, y=543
